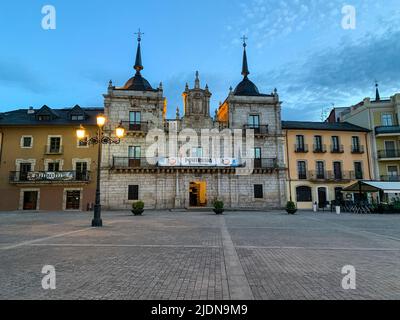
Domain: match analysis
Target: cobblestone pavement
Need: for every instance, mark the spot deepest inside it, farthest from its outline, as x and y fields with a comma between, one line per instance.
x=198, y=255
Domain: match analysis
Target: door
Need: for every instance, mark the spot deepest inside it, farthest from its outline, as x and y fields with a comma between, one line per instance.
x=300, y=147
x=73, y=200
x=393, y=173
x=135, y=121
x=257, y=158
x=55, y=145
x=24, y=168
x=318, y=144
x=254, y=123
x=322, y=197
x=337, y=170
x=30, y=200
x=134, y=157
x=390, y=148
x=320, y=170
x=81, y=171
x=194, y=195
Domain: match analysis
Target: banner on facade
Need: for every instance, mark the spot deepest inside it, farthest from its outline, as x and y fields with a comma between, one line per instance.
x=51, y=176
x=198, y=162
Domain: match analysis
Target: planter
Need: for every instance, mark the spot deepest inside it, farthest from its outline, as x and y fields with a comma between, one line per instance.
x=219, y=211
x=138, y=212
x=291, y=211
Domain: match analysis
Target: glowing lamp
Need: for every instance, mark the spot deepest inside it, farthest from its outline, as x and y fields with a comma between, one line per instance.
x=81, y=133
x=120, y=131
x=101, y=120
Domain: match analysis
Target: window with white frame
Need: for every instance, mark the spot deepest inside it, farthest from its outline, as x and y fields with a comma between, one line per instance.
x=26, y=142
x=387, y=119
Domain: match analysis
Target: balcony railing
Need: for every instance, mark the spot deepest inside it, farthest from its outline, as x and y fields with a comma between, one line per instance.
x=387, y=130
x=357, y=149
x=337, y=149
x=137, y=163
x=301, y=148
x=130, y=126
x=258, y=130
x=319, y=148
x=302, y=176
x=47, y=176
x=388, y=154
x=331, y=175
x=53, y=149
x=394, y=178
x=263, y=163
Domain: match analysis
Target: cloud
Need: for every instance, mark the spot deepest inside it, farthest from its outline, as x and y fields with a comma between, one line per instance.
x=269, y=20
x=341, y=75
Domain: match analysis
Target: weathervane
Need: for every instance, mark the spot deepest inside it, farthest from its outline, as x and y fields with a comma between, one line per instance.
x=139, y=35
x=244, y=38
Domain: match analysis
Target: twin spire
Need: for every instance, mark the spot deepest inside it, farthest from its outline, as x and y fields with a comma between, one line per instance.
x=245, y=68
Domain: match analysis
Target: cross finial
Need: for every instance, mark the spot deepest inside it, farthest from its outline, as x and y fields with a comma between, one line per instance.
x=139, y=35
x=244, y=38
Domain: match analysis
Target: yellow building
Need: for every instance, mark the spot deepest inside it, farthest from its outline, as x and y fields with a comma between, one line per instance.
x=43, y=166
x=381, y=116
x=324, y=158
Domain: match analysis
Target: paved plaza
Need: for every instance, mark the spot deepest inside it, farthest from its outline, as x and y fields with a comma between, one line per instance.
x=199, y=255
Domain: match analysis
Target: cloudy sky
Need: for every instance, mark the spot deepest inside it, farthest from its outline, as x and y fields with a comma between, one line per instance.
x=297, y=46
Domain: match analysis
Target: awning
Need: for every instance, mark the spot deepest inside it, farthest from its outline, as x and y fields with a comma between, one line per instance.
x=374, y=186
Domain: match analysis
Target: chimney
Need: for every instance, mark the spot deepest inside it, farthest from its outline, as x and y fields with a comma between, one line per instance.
x=31, y=111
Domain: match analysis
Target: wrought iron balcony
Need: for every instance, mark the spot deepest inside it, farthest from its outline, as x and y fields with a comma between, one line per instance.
x=50, y=150
x=301, y=148
x=388, y=154
x=390, y=130
x=264, y=163
x=258, y=129
x=131, y=126
x=138, y=163
x=49, y=176
x=337, y=149
x=331, y=175
x=357, y=149
x=319, y=148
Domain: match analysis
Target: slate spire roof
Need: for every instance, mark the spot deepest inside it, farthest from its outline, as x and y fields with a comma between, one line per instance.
x=377, y=95
x=138, y=83
x=246, y=87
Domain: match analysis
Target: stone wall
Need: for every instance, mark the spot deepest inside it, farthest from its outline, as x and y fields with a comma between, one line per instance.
x=171, y=190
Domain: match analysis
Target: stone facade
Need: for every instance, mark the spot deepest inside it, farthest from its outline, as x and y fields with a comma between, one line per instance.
x=127, y=175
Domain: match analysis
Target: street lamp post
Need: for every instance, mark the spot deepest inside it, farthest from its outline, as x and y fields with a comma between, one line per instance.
x=100, y=139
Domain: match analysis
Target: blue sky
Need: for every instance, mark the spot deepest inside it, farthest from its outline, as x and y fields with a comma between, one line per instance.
x=297, y=46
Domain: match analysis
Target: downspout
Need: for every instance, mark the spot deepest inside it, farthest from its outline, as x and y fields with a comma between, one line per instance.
x=368, y=155
x=1, y=144
x=287, y=160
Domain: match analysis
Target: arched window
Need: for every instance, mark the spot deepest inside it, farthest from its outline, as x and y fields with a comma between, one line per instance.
x=303, y=194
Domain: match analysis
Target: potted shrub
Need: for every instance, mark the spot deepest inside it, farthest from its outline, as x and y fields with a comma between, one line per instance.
x=138, y=208
x=218, y=207
x=291, y=207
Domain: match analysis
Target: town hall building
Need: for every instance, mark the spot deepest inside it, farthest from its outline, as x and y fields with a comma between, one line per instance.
x=253, y=175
